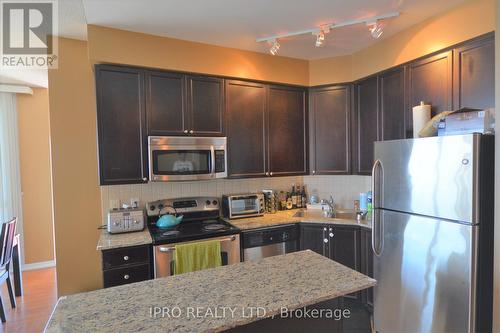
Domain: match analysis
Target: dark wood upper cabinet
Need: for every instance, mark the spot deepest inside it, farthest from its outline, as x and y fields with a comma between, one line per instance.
x=165, y=103
x=330, y=130
x=287, y=129
x=430, y=81
x=245, y=126
x=474, y=74
x=121, y=125
x=205, y=105
x=392, y=104
x=366, y=123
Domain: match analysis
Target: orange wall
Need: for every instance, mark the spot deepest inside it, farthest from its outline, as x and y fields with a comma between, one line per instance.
x=77, y=208
x=471, y=19
x=125, y=47
x=36, y=183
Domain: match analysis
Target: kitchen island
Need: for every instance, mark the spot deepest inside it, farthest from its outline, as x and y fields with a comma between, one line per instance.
x=211, y=300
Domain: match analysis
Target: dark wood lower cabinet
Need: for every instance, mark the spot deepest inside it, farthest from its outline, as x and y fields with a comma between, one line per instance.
x=340, y=243
x=295, y=322
x=367, y=264
x=127, y=265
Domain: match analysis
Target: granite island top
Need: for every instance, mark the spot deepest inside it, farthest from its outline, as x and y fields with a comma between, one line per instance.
x=108, y=241
x=195, y=301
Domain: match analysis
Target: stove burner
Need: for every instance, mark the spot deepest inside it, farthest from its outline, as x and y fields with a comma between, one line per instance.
x=214, y=227
x=171, y=233
x=210, y=221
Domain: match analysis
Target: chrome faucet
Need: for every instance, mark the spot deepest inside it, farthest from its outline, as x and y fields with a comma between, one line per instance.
x=331, y=207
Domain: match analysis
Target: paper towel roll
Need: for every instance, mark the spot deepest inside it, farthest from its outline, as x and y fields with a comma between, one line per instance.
x=421, y=115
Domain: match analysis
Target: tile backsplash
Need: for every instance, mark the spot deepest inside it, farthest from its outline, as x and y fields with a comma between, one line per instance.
x=344, y=189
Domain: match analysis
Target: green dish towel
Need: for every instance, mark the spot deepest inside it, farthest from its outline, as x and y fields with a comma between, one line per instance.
x=196, y=256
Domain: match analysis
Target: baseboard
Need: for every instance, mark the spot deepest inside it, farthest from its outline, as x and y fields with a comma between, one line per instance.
x=39, y=265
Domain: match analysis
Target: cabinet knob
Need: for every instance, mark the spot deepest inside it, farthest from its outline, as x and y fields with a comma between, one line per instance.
x=331, y=234
x=271, y=173
x=314, y=171
x=325, y=240
x=126, y=258
x=191, y=131
x=126, y=276
x=145, y=179
x=185, y=131
x=267, y=173
x=324, y=229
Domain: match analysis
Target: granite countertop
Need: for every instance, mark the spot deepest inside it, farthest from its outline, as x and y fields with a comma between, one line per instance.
x=112, y=241
x=287, y=217
x=108, y=241
x=309, y=279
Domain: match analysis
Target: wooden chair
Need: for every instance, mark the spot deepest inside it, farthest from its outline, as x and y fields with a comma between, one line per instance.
x=6, y=245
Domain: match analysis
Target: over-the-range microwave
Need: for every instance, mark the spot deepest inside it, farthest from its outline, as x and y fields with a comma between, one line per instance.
x=173, y=158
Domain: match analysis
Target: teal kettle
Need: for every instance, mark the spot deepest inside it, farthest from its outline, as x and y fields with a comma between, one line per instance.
x=168, y=221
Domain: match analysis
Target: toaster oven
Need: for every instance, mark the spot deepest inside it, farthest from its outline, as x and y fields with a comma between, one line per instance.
x=242, y=205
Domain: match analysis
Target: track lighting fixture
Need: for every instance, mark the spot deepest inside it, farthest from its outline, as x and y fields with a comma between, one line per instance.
x=374, y=25
x=375, y=28
x=275, y=46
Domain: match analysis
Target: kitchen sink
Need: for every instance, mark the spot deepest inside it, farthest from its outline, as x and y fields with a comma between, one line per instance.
x=339, y=214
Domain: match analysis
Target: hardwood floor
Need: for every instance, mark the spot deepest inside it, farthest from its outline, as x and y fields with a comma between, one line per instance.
x=35, y=306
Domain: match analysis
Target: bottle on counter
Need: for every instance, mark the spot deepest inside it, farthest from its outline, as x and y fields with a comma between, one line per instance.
x=298, y=195
x=289, y=202
x=304, y=197
x=294, y=197
x=282, y=200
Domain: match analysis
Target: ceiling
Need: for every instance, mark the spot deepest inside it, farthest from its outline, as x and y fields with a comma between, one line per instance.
x=237, y=23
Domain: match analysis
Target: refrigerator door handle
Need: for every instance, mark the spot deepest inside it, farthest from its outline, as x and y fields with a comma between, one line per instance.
x=377, y=224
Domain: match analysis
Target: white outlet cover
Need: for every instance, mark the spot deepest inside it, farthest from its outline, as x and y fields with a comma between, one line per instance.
x=114, y=204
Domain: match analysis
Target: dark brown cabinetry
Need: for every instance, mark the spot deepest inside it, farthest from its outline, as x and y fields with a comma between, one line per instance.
x=245, y=113
x=312, y=237
x=330, y=129
x=392, y=104
x=121, y=125
x=165, y=103
x=266, y=130
x=205, y=106
x=287, y=128
x=184, y=105
x=474, y=74
x=366, y=123
x=430, y=81
x=127, y=265
x=367, y=263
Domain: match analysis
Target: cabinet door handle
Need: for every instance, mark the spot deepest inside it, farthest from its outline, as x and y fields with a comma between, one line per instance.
x=191, y=131
x=325, y=240
x=331, y=234
x=126, y=277
x=185, y=131
x=126, y=258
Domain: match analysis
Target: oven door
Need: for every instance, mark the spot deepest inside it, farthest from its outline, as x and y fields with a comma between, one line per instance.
x=164, y=254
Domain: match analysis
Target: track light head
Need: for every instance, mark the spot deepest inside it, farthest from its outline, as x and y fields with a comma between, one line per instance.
x=375, y=28
x=275, y=46
x=320, y=39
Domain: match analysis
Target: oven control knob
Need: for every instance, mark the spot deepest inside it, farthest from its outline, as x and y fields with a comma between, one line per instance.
x=215, y=202
x=152, y=207
x=208, y=202
x=261, y=210
x=160, y=206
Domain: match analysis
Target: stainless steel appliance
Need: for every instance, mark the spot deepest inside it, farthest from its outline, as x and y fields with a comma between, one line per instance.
x=173, y=158
x=201, y=222
x=243, y=205
x=432, y=234
x=268, y=242
x=125, y=220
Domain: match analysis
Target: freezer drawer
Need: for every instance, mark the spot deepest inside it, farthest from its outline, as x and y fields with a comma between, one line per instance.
x=426, y=274
x=438, y=176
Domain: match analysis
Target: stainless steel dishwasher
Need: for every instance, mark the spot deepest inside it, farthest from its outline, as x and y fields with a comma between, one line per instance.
x=268, y=242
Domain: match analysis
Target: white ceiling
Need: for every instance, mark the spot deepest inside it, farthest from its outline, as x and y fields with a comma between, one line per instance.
x=237, y=23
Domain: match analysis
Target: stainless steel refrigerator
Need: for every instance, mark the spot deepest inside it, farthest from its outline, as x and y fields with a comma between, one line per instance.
x=432, y=234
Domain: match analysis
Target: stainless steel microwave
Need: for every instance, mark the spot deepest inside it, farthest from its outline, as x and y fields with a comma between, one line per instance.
x=174, y=158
